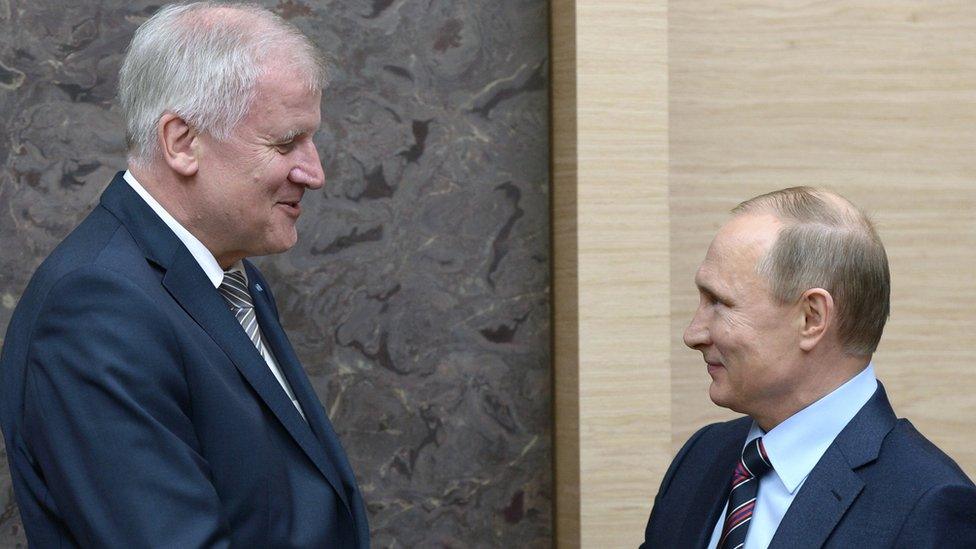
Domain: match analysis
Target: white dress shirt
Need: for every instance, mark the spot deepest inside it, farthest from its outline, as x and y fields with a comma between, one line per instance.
x=210, y=267
x=794, y=447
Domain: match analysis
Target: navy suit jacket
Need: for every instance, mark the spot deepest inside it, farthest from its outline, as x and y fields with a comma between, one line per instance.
x=880, y=484
x=137, y=413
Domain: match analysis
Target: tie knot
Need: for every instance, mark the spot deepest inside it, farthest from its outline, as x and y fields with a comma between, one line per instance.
x=754, y=458
x=234, y=290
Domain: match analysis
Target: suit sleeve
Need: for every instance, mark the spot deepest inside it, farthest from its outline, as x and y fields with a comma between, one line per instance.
x=666, y=483
x=944, y=517
x=107, y=418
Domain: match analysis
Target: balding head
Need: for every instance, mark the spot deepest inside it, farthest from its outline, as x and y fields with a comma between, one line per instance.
x=827, y=242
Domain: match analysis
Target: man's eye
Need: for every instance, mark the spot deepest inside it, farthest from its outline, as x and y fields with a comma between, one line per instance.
x=285, y=148
x=718, y=302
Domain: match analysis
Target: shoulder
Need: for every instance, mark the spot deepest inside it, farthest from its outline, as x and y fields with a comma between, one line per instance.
x=96, y=289
x=95, y=264
x=100, y=239
x=706, y=443
x=92, y=279
x=926, y=496
x=99, y=330
x=941, y=496
x=917, y=460
x=95, y=310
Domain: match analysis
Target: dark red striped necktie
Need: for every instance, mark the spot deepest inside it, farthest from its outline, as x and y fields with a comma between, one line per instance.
x=753, y=464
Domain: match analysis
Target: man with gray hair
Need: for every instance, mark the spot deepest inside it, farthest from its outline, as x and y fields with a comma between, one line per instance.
x=794, y=296
x=150, y=397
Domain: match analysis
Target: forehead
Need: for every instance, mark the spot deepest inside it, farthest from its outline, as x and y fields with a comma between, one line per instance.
x=730, y=262
x=283, y=101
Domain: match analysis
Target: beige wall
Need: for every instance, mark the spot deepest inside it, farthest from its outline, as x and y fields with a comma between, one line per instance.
x=610, y=231
x=876, y=99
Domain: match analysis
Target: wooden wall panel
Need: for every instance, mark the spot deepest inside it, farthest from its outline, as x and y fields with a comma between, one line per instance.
x=611, y=267
x=731, y=98
x=565, y=286
x=876, y=99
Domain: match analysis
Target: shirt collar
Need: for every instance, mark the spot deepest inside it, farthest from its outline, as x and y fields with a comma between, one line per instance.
x=796, y=445
x=200, y=253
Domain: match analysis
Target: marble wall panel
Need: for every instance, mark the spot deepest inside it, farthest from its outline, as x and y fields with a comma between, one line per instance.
x=418, y=294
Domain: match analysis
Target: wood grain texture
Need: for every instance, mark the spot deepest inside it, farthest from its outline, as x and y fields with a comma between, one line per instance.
x=611, y=238
x=875, y=99
x=565, y=286
x=623, y=251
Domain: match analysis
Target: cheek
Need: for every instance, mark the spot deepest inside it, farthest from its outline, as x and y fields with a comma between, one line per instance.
x=253, y=165
x=737, y=341
x=274, y=177
x=732, y=329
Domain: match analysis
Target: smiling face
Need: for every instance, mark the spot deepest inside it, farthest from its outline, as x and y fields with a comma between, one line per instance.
x=750, y=341
x=248, y=187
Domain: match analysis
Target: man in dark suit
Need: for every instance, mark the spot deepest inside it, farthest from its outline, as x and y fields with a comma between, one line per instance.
x=149, y=395
x=794, y=297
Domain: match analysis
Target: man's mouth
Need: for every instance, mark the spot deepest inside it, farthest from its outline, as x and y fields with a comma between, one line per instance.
x=291, y=207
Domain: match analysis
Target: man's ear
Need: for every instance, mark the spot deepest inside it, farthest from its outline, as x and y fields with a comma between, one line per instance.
x=178, y=141
x=817, y=307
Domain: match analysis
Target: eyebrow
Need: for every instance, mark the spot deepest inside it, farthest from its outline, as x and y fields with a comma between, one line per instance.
x=711, y=292
x=288, y=136
x=291, y=134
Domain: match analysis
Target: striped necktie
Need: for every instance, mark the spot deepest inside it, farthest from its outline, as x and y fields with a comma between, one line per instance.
x=753, y=464
x=234, y=290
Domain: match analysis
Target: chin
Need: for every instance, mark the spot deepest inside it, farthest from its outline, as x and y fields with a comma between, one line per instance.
x=279, y=249
x=270, y=248
x=719, y=398
x=282, y=243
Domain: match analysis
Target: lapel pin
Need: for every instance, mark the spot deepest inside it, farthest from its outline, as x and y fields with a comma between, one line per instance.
x=258, y=287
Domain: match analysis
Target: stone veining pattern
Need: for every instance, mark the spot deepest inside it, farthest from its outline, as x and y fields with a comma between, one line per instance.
x=418, y=294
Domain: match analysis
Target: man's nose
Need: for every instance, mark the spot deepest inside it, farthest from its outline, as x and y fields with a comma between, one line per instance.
x=696, y=334
x=308, y=169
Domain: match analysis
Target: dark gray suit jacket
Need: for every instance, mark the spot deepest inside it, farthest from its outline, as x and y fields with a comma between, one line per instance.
x=880, y=484
x=137, y=413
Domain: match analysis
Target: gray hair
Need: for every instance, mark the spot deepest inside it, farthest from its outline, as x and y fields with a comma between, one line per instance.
x=827, y=242
x=201, y=61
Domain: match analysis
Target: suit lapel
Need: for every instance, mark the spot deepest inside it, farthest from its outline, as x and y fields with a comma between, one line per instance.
x=712, y=493
x=188, y=285
x=292, y=369
x=193, y=291
x=287, y=360
x=821, y=502
x=834, y=483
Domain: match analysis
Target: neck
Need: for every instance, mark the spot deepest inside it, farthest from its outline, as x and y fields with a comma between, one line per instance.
x=824, y=376
x=167, y=191
x=172, y=193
